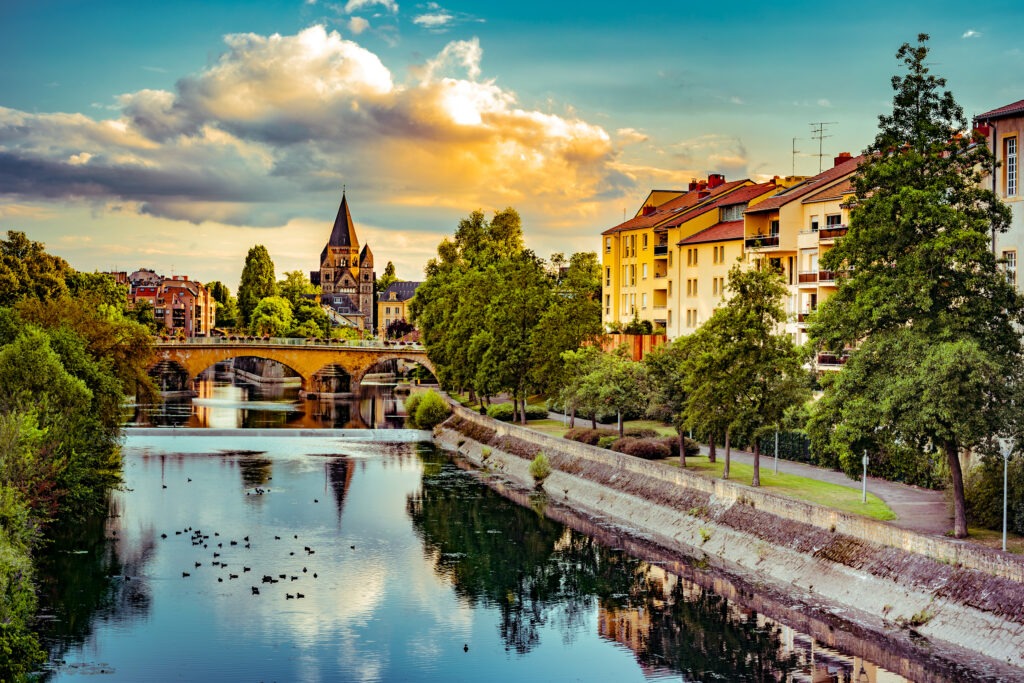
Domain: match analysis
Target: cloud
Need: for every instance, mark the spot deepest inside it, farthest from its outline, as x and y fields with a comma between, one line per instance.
x=277, y=120
x=357, y=25
x=971, y=33
x=435, y=20
x=358, y=5
x=823, y=102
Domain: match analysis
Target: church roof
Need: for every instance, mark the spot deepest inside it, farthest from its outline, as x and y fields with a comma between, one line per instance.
x=344, y=233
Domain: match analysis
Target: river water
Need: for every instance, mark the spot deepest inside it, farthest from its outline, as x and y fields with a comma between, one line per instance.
x=324, y=559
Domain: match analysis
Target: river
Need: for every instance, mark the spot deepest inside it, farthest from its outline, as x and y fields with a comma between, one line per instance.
x=288, y=558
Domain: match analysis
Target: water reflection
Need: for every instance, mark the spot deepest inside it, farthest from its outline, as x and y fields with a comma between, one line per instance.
x=218, y=399
x=409, y=568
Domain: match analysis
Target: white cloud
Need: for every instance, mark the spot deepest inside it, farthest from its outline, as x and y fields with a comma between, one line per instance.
x=357, y=25
x=630, y=136
x=971, y=33
x=434, y=20
x=357, y=5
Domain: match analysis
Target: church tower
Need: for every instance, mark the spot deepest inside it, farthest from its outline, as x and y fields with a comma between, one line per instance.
x=346, y=276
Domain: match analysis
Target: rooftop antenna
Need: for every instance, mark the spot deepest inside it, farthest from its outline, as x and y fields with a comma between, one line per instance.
x=795, y=152
x=818, y=133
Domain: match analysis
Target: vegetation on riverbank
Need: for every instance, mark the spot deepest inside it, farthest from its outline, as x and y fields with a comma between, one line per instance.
x=70, y=352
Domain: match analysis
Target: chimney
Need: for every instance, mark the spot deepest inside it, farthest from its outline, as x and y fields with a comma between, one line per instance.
x=702, y=185
x=703, y=193
x=693, y=185
x=775, y=180
x=714, y=180
x=841, y=159
x=648, y=210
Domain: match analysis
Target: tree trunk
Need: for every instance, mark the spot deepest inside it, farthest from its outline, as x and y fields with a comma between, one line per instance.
x=682, y=449
x=622, y=427
x=957, y=475
x=472, y=394
x=712, y=454
x=522, y=413
x=572, y=418
x=725, y=468
x=593, y=420
x=757, y=464
x=515, y=410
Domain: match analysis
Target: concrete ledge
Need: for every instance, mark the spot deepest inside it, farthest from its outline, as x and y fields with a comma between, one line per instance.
x=375, y=435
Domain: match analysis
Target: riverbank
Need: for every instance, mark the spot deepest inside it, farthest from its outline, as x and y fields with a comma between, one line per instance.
x=895, y=583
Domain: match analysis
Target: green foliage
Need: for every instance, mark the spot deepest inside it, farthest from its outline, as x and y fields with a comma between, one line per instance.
x=589, y=436
x=503, y=412
x=607, y=441
x=387, y=279
x=937, y=323
x=97, y=287
x=309, y=320
x=257, y=283
x=411, y=404
x=272, y=316
x=219, y=291
x=430, y=410
x=296, y=288
x=647, y=449
x=540, y=468
x=983, y=493
x=399, y=328
x=638, y=326
x=27, y=271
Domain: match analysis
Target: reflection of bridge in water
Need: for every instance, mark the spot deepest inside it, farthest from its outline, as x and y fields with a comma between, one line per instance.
x=306, y=358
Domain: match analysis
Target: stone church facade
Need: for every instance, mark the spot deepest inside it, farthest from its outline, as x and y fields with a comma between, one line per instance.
x=346, y=276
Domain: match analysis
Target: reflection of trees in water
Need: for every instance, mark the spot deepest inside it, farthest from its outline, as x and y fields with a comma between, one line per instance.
x=86, y=572
x=339, y=476
x=535, y=570
x=255, y=471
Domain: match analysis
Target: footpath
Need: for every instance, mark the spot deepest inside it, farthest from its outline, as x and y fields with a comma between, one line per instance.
x=917, y=509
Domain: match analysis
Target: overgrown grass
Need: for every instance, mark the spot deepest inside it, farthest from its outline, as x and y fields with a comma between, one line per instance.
x=994, y=539
x=802, y=488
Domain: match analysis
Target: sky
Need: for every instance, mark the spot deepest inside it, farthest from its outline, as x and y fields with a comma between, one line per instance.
x=177, y=135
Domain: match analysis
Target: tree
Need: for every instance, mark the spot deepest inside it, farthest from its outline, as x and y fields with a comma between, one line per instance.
x=924, y=301
x=665, y=367
x=297, y=288
x=26, y=270
x=576, y=394
x=741, y=374
x=399, y=328
x=219, y=291
x=387, y=279
x=257, y=282
x=272, y=316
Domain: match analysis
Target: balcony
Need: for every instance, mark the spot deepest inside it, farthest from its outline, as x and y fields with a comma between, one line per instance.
x=831, y=360
x=826, y=276
x=660, y=249
x=804, y=317
x=832, y=232
x=806, y=277
x=762, y=242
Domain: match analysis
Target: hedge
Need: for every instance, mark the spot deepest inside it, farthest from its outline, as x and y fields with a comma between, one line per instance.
x=503, y=412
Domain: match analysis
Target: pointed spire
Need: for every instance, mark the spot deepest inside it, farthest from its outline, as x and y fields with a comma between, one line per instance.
x=344, y=233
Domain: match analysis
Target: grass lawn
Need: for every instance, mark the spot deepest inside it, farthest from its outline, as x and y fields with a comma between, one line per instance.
x=811, y=490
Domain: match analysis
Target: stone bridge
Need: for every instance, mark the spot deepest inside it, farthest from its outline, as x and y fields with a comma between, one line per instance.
x=306, y=358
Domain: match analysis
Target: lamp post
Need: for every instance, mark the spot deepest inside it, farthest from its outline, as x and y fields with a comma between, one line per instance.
x=864, y=478
x=776, y=451
x=1006, y=450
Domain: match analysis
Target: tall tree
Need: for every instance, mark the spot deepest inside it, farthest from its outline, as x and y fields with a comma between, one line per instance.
x=665, y=367
x=297, y=288
x=26, y=270
x=934, y=321
x=273, y=316
x=387, y=279
x=257, y=282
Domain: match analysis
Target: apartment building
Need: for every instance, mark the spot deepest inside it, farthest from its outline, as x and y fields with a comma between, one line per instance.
x=1003, y=129
x=792, y=230
x=179, y=303
x=393, y=304
x=636, y=258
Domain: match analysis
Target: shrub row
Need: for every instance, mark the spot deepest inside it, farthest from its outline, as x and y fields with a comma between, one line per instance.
x=503, y=412
x=641, y=443
x=426, y=409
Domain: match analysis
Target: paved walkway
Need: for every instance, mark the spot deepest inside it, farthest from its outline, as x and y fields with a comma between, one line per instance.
x=917, y=509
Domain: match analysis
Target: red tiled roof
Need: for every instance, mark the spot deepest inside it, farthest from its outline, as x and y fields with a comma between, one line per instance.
x=810, y=185
x=1008, y=110
x=719, y=232
x=836, y=191
x=659, y=214
x=720, y=196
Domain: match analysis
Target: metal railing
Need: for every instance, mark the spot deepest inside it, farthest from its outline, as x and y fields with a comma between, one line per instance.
x=246, y=340
x=761, y=241
x=832, y=232
x=807, y=277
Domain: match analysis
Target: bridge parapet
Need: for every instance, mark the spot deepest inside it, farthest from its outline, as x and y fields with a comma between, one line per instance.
x=264, y=342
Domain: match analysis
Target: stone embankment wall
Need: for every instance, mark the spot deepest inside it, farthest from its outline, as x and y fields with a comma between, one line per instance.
x=885, y=579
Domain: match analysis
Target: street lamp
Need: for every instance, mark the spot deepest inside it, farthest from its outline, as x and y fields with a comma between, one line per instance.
x=864, y=478
x=776, y=451
x=1006, y=450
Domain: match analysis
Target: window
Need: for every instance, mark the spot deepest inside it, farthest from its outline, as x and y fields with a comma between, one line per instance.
x=607, y=245
x=669, y=316
x=691, y=287
x=632, y=274
x=643, y=300
x=645, y=240
x=1010, y=257
x=1010, y=165
x=644, y=273
x=814, y=224
x=691, y=317
x=670, y=259
x=608, y=276
x=691, y=257
x=833, y=220
x=670, y=288
x=718, y=254
x=774, y=227
x=718, y=286
x=732, y=213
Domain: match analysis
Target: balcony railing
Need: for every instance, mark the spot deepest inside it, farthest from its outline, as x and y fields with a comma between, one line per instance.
x=832, y=360
x=826, y=276
x=762, y=241
x=803, y=317
x=807, y=277
x=832, y=232
x=660, y=249
x=660, y=275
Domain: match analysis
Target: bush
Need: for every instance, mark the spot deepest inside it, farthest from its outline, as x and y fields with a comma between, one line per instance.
x=648, y=449
x=503, y=412
x=431, y=410
x=540, y=469
x=588, y=436
x=642, y=433
x=672, y=442
x=411, y=403
x=607, y=441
